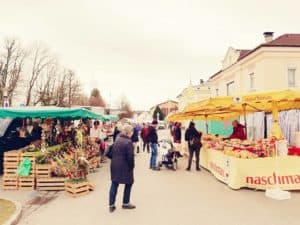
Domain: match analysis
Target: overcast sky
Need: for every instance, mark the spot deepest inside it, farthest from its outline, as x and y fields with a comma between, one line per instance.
x=146, y=50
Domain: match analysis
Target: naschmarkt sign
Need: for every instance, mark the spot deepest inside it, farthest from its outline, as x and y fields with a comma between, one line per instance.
x=260, y=173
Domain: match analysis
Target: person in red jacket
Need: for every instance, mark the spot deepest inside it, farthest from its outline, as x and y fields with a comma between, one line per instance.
x=238, y=131
x=144, y=136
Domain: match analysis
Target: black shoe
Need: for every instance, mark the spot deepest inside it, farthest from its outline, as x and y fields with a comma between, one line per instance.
x=198, y=169
x=112, y=209
x=156, y=168
x=188, y=169
x=128, y=206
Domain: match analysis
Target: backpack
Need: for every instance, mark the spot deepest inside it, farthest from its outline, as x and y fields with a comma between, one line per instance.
x=195, y=143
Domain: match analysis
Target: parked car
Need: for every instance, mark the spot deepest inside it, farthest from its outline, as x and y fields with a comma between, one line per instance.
x=162, y=125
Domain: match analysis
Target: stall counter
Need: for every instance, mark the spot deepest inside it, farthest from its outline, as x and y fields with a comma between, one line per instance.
x=259, y=173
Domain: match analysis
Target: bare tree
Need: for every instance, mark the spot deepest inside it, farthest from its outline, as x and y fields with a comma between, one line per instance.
x=11, y=66
x=41, y=59
x=125, y=107
x=73, y=86
x=96, y=99
x=61, y=90
x=46, y=87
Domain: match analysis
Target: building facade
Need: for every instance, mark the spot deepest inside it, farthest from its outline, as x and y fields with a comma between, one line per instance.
x=167, y=107
x=273, y=65
x=193, y=93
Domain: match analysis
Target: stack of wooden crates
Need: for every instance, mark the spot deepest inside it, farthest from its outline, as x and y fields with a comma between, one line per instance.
x=11, y=180
x=39, y=178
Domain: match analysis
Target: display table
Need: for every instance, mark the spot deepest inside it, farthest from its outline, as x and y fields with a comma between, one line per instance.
x=260, y=173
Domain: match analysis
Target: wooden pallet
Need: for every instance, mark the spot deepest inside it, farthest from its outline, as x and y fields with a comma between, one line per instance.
x=29, y=155
x=10, y=182
x=10, y=169
x=50, y=184
x=11, y=157
x=43, y=171
x=76, y=190
x=26, y=183
x=92, y=186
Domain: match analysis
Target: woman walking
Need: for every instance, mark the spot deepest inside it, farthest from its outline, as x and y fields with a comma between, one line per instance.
x=122, y=166
x=193, y=137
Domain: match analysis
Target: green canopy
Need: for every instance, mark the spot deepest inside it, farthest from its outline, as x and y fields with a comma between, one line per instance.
x=112, y=118
x=49, y=112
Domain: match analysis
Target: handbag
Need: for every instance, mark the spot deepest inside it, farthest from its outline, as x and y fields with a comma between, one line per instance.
x=109, y=153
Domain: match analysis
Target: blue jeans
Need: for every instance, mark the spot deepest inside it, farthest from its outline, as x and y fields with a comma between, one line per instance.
x=113, y=193
x=153, y=155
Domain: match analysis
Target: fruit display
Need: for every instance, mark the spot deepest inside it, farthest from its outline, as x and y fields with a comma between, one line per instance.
x=241, y=149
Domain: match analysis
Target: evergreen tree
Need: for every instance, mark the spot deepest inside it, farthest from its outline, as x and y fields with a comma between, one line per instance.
x=161, y=114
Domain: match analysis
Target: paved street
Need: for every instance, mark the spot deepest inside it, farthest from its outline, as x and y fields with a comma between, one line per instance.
x=163, y=198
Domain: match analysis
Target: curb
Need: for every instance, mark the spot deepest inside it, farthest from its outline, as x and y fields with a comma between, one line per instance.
x=14, y=219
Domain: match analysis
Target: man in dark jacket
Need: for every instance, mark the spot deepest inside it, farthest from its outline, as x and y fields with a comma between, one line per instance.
x=122, y=166
x=135, y=139
x=193, y=137
x=153, y=139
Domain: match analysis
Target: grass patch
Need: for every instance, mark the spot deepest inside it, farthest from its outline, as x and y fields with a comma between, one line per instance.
x=7, y=208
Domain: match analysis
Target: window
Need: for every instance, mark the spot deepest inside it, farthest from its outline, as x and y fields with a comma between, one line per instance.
x=217, y=91
x=291, y=77
x=251, y=77
x=230, y=87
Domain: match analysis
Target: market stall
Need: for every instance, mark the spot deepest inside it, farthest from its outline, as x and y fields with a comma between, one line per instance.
x=248, y=163
x=57, y=150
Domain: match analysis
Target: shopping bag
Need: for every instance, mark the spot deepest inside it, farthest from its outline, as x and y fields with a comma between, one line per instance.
x=24, y=168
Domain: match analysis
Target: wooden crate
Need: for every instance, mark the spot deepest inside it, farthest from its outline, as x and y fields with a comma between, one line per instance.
x=76, y=190
x=26, y=183
x=29, y=155
x=50, y=184
x=10, y=169
x=10, y=182
x=43, y=171
x=11, y=157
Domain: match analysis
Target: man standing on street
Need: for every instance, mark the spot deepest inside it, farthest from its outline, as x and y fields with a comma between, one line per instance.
x=193, y=138
x=153, y=139
x=122, y=166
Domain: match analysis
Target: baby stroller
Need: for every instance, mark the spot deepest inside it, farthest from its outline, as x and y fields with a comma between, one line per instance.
x=167, y=155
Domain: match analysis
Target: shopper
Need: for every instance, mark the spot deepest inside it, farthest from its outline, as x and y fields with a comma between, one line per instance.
x=144, y=136
x=153, y=140
x=135, y=138
x=95, y=132
x=122, y=166
x=193, y=137
x=177, y=137
x=116, y=131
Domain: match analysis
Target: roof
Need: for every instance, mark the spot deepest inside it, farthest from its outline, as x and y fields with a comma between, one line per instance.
x=197, y=86
x=164, y=103
x=243, y=52
x=285, y=40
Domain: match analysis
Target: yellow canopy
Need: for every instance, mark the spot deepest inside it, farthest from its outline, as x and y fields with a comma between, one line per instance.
x=268, y=101
x=216, y=115
x=221, y=108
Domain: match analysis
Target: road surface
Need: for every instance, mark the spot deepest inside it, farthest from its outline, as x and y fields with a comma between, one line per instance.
x=164, y=198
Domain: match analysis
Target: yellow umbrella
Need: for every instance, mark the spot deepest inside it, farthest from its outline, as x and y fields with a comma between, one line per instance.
x=273, y=102
x=265, y=101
